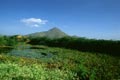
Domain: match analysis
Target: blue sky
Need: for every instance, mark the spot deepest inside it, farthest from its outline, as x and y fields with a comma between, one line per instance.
x=85, y=18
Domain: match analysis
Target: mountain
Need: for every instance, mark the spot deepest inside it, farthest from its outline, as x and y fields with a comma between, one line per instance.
x=52, y=33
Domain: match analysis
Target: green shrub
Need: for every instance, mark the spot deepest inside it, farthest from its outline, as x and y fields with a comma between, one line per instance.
x=11, y=71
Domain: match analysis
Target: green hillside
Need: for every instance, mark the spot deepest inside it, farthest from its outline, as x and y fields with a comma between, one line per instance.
x=27, y=62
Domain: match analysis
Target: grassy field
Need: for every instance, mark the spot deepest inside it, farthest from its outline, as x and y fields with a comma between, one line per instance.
x=46, y=63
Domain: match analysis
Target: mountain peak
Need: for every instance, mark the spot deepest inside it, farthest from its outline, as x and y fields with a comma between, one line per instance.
x=55, y=29
x=52, y=33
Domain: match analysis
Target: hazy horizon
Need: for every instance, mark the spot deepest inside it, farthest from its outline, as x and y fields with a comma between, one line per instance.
x=98, y=19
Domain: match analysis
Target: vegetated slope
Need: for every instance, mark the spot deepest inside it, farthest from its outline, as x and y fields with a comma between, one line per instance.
x=66, y=64
x=52, y=34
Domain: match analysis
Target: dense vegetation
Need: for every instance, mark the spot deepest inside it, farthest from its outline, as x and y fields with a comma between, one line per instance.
x=65, y=64
x=39, y=62
x=81, y=44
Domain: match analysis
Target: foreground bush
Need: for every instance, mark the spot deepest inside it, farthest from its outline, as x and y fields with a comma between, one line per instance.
x=11, y=71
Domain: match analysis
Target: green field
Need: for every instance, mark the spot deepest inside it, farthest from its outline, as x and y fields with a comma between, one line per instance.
x=27, y=62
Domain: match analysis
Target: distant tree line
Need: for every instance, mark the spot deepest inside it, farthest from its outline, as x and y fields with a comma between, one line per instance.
x=11, y=40
x=7, y=41
x=81, y=44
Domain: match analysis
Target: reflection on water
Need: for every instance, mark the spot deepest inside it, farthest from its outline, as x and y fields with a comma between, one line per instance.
x=25, y=51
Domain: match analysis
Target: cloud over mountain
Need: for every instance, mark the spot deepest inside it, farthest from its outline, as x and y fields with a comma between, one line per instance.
x=33, y=22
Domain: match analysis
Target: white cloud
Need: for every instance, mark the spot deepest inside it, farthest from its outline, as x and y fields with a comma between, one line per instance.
x=33, y=22
x=35, y=25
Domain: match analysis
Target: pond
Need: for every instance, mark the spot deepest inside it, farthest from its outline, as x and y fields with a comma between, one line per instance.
x=27, y=51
